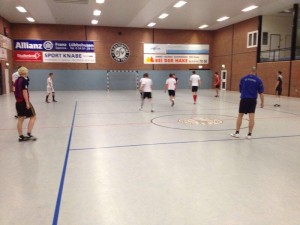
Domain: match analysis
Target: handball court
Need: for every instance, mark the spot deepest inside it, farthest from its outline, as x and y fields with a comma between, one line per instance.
x=99, y=160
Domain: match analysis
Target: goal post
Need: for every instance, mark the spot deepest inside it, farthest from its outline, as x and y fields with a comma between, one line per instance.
x=122, y=80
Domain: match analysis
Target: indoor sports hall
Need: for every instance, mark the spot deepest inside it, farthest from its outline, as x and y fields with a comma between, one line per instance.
x=103, y=152
x=99, y=160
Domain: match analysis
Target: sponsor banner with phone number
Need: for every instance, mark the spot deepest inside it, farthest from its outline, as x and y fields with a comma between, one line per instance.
x=47, y=45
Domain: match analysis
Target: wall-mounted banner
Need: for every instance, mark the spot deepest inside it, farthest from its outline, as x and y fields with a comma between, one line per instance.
x=3, y=54
x=176, y=54
x=175, y=59
x=28, y=56
x=69, y=57
x=5, y=42
x=42, y=45
x=176, y=49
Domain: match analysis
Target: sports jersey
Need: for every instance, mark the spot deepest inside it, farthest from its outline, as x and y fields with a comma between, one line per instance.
x=195, y=78
x=147, y=83
x=21, y=84
x=279, y=79
x=171, y=83
x=250, y=86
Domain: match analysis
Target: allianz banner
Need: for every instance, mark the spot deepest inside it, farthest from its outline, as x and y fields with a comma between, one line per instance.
x=46, y=45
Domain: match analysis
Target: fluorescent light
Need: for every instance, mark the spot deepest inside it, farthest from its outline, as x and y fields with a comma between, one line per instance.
x=203, y=26
x=250, y=8
x=162, y=16
x=151, y=24
x=179, y=4
x=94, y=21
x=30, y=19
x=223, y=18
x=100, y=1
x=97, y=12
x=21, y=9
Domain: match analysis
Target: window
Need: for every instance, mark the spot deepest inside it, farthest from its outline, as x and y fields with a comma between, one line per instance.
x=252, y=38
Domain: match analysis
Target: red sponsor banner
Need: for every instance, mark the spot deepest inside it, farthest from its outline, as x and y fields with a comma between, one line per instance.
x=28, y=56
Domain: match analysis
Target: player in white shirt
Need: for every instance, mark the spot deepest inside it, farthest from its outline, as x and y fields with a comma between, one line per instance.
x=171, y=87
x=50, y=89
x=146, y=89
x=195, y=82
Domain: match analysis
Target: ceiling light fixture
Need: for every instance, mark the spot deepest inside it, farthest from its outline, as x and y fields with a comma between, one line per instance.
x=162, y=16
x=249, y=8
x=151, y=24
x=30, y=19
x=203, y=26
x=180, y=4
x=97, y=12
x=223, y=18
x=21, y=9
x=94, y=21
x=100, y=1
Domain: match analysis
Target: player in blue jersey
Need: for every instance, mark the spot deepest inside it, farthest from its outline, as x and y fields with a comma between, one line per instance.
x=250, y=87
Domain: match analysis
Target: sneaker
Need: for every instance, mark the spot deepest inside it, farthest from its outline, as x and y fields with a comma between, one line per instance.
x=22, y=138
x=140, y=109
x=235, y=135
x=54, y=101
x=152, y=110
x=30, y=137
x=249, y=136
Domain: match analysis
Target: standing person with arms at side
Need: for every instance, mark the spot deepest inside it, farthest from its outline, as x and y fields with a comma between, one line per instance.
x=146, y=89
x=171, y=87
x=250, y=87
x=14, y=77
x=50, y=89
x=217, y=83
x=195, y=82
x=23, y=105
x=278, y=88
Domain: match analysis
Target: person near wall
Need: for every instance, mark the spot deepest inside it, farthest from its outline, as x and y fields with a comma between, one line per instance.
x=171, y=87
x=146, y=90
x=14, y=77
x=23, y=105
x=195, y=82
x=50, y=88
x=217, y=83
x=250, y=86
x=278, y=88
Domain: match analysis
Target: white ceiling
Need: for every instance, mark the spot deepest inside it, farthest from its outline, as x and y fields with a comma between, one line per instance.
x=138, y=13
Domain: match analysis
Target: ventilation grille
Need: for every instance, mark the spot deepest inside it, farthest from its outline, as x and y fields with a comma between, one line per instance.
x=72, y=1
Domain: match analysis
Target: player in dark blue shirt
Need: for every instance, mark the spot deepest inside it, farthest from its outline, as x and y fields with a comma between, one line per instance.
x=250, y=87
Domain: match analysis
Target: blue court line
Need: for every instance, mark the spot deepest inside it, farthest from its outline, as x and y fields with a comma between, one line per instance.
x=62, y=180
x=182, y=142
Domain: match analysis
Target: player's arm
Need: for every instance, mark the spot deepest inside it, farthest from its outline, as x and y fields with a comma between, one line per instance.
x=26, y=97
x=262, y=98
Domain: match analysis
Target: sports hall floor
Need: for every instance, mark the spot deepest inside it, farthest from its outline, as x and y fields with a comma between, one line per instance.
x=99, y=160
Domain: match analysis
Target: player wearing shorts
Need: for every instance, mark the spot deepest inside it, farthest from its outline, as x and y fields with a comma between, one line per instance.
x=217, y=83
x=50, y=88
x=195, y=82
x=278, y=88
x=171, y=87
x=23, y=106
x=250, y=86
x=146, y=90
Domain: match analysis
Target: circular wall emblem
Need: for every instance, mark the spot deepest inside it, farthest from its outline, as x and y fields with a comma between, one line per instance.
x=48, y=45
x=119, y=52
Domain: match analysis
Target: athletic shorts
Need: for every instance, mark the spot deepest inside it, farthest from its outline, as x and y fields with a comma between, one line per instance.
x=278, y=91
x=218, y=86
x=23, y=111
x=147, y=95
x=194, y=88
x=171, y=92
x=247, y=105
